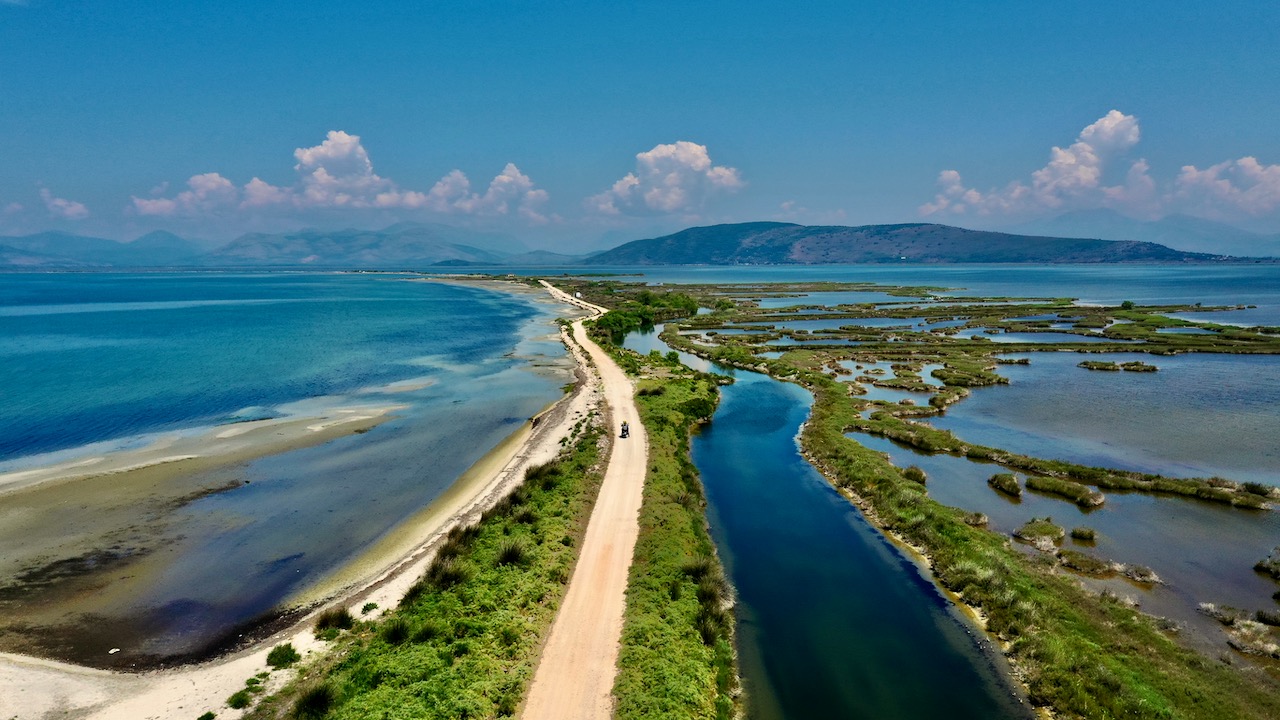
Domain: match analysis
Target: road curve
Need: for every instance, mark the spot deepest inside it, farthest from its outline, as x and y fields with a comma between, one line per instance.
x=574, y=679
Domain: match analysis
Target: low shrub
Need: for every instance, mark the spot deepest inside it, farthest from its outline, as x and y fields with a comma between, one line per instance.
x=1081, y=495
x=1270, y=565
x=1256, y=488
x=282, y=656
x=338, y=618
x=1040, y=529
x=395, y=631
x=1084, y=563
x=512, y=552
x=239, y=700
x=915, y=474
x=314, y=702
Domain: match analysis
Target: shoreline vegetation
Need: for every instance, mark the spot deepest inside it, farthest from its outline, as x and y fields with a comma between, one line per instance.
x=1078, y=653
x=465, y=638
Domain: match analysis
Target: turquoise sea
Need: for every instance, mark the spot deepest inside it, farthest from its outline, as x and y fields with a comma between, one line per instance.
x=98, y=362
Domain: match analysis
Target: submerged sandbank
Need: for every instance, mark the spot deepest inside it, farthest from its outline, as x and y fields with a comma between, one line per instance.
x=82, y=538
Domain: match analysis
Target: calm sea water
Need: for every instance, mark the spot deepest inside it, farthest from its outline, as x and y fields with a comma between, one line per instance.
x=106, y=356
x=110, y=359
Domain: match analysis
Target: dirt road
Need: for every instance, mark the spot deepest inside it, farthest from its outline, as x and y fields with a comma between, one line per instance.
x=574, y=679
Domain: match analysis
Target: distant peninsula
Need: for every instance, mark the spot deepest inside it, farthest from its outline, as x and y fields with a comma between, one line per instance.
x=776, y=243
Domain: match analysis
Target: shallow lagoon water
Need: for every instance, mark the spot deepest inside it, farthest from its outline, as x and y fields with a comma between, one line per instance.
x=1204, y=551
x=1200, y=415
x=209, y=350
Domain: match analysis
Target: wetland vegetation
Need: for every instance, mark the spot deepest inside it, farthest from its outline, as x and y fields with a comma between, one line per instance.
x=1082, y=650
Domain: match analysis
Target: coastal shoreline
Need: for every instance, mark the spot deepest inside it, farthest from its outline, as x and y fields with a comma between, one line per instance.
x=380, y=575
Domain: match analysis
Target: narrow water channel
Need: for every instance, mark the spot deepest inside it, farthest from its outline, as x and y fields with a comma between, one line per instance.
x=833, y=620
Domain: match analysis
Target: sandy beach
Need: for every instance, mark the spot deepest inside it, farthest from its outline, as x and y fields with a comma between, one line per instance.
x=48, y=689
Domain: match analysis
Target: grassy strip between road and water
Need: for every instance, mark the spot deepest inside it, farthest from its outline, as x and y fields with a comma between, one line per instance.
x=677, y=657
x=466, y=637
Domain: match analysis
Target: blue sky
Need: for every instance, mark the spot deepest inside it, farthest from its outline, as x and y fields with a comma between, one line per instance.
x=568, y=122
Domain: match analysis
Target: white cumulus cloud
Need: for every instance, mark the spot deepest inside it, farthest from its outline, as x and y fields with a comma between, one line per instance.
x=1229, y=189
x=338, y=174
x=205, y=194
x=1076, y=178
x=672, y=178
x=511, y=192
x=1073, y=177
x=62, y=207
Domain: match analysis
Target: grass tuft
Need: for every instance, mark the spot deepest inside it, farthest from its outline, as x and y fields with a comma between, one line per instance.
x=446, y=572
x=338, y=618
x=512, y=552
x=282, y=656
x=1084, y=534
x=315, y=702
x=239, y=700
x=915, y=475
x=395, y=631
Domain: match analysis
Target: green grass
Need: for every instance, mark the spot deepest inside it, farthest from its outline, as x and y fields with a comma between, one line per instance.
x=239, y=700
x=1084, y=562
x=1073, y=491
x=1006, y=483
x=465, y=640
x=1084, y=534
x=1040, y=529
x=677, y=658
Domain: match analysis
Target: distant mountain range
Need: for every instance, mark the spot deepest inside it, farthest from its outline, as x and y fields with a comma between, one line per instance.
x=1180, y=232
x=55, y=249
x=419, y=246
x=401, y=246
x=763, y=243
